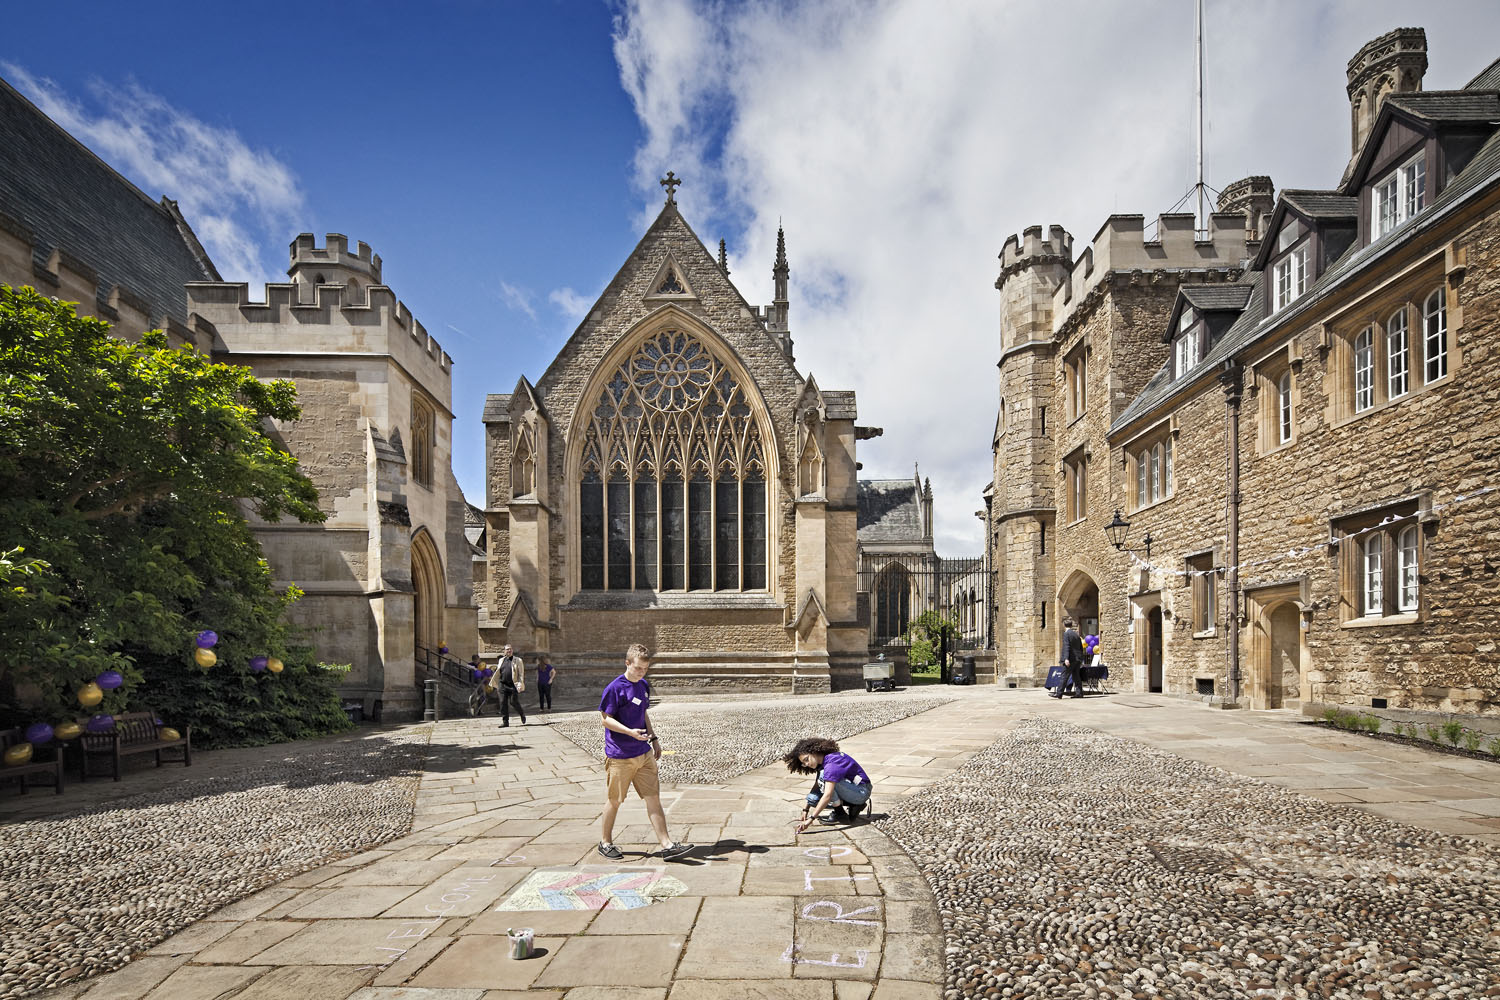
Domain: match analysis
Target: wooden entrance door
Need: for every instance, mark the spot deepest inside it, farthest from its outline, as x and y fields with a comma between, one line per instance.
x=1153, y=650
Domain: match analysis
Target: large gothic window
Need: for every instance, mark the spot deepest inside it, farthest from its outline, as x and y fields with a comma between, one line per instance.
x=672, y=488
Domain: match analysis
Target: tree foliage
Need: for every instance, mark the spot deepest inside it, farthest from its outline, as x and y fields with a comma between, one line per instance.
x=924, y=636
x=123, y=470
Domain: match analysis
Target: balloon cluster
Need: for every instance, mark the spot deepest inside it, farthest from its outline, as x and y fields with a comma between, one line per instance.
x=483, y=673
x=40, y=734
x=1091, y=644
x=205, y=656
x=443, y=648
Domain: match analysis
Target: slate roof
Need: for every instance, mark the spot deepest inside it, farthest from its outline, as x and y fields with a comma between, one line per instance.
x=1322, y=204
x=1217, y=298
x=1487, y=78
x=1450, y=105
x=68, y=199
x=1482, y=173
x=890, y=510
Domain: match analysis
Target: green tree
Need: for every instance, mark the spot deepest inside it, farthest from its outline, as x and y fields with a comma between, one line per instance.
x=924, y=635
x=123, y=470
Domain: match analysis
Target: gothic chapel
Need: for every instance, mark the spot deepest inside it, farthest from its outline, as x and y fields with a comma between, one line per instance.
x=672, y=479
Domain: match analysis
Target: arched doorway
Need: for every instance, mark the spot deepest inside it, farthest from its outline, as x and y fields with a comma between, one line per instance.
x=427, y=597
x=1284, y=666
x=1154, y=679
x=1079, y=597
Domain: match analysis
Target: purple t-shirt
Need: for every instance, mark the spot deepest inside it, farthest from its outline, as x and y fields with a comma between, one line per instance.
x=627, y=703
x=842, y=767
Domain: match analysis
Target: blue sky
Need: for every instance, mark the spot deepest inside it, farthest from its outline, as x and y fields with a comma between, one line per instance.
x=502, y=156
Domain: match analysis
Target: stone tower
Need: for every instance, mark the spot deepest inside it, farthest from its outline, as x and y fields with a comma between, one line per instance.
x=1252, y=197
x=1394, y=63
x=333, y=264
x=1021, y=502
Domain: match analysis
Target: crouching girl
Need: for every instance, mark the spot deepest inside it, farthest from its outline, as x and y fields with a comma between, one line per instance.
x=840, y=781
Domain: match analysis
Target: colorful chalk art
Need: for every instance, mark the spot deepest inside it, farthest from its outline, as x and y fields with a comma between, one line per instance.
x=592, y=889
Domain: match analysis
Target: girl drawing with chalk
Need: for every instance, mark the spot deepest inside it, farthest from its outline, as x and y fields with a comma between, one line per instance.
x=840, y=781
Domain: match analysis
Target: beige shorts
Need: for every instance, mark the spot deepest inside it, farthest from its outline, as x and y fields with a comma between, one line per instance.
x=621, y=773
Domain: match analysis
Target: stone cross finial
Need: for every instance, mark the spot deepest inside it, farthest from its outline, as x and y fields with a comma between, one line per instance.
x=671, y=182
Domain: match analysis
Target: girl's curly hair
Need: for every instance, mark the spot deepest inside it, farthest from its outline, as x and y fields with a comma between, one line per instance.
x=812, y=744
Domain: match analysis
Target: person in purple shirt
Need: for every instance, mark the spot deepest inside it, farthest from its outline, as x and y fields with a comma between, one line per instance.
x=631, y=750
x=840, y=780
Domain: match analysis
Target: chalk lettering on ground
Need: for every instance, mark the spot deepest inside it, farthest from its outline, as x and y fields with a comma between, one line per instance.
x=791, y=955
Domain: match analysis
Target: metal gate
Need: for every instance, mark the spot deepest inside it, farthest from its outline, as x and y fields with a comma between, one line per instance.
x=940, y=606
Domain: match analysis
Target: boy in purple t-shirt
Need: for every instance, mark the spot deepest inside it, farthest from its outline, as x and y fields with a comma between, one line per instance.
x=840, y=780
x=631, y=750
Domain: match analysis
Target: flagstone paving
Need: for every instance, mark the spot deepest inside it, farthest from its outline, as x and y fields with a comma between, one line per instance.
x=836, y=913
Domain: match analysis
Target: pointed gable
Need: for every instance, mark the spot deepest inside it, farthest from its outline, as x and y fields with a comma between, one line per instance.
x=669, y=255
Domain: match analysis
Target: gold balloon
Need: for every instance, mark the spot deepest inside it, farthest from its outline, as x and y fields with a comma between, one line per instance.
x=67, y=731
x=90, y=695
x=205, y=657
x=274, y=665
x=168, y=733
x=17, y=755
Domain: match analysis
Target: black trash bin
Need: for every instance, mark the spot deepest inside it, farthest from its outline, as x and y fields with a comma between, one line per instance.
x=963, y=670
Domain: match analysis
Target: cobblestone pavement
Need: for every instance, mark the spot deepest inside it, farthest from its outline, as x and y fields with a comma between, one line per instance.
x=506, y=822
x=1071, y=863
x=107, y=875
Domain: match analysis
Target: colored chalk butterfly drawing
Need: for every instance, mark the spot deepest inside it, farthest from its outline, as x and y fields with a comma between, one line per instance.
x=592, y=890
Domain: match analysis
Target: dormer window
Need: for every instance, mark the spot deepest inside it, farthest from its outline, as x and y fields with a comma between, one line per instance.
x=1289, y=274
x=1185, y=348
x=1398, y=196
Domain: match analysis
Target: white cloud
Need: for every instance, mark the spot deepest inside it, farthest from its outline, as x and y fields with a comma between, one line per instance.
x=240, y=201
x=517, y=298
x=903, y=141
x=570, y=303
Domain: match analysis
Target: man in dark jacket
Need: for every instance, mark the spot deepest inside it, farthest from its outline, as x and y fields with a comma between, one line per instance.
x=1072, y=658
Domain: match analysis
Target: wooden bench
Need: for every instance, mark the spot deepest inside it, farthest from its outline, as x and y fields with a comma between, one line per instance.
x=134, y=732
x=8, y=739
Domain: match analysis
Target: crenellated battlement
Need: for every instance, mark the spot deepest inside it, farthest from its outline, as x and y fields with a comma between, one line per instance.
x=334, y=254
x=1121, y=245
x=228, y=306
x=1031, y=248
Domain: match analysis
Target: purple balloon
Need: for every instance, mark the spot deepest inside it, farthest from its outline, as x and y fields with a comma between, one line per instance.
x=207, y=638
x=110, y=679
x=38, y=733
x=100, y=723
x=258, y=663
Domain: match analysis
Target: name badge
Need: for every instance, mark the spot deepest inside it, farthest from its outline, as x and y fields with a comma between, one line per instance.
x=636, y=700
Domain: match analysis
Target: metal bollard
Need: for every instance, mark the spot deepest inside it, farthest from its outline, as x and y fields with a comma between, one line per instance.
x=430, y=700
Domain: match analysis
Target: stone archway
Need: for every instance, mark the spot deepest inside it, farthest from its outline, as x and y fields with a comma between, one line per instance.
x=1078, y=598
x=428, y=604
x=1284, y=659
x=1276, y=656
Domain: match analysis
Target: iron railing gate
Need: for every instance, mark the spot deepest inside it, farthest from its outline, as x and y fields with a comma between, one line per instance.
x=940, y=604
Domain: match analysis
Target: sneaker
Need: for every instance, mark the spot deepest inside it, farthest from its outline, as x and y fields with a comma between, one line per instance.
x=611, y=852
x=676, y=850
x=833, y=817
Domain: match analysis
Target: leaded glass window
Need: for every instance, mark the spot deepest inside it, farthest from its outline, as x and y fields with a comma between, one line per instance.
x=672, y=485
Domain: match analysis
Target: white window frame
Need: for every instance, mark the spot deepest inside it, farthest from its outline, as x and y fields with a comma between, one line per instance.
x=1398, y=196
x=1372, y=574
x=1397, y=355
x=1284, y=408
x=1435, y=336
x=1291, y=277
x=1364, y=369
x=1406, y=568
